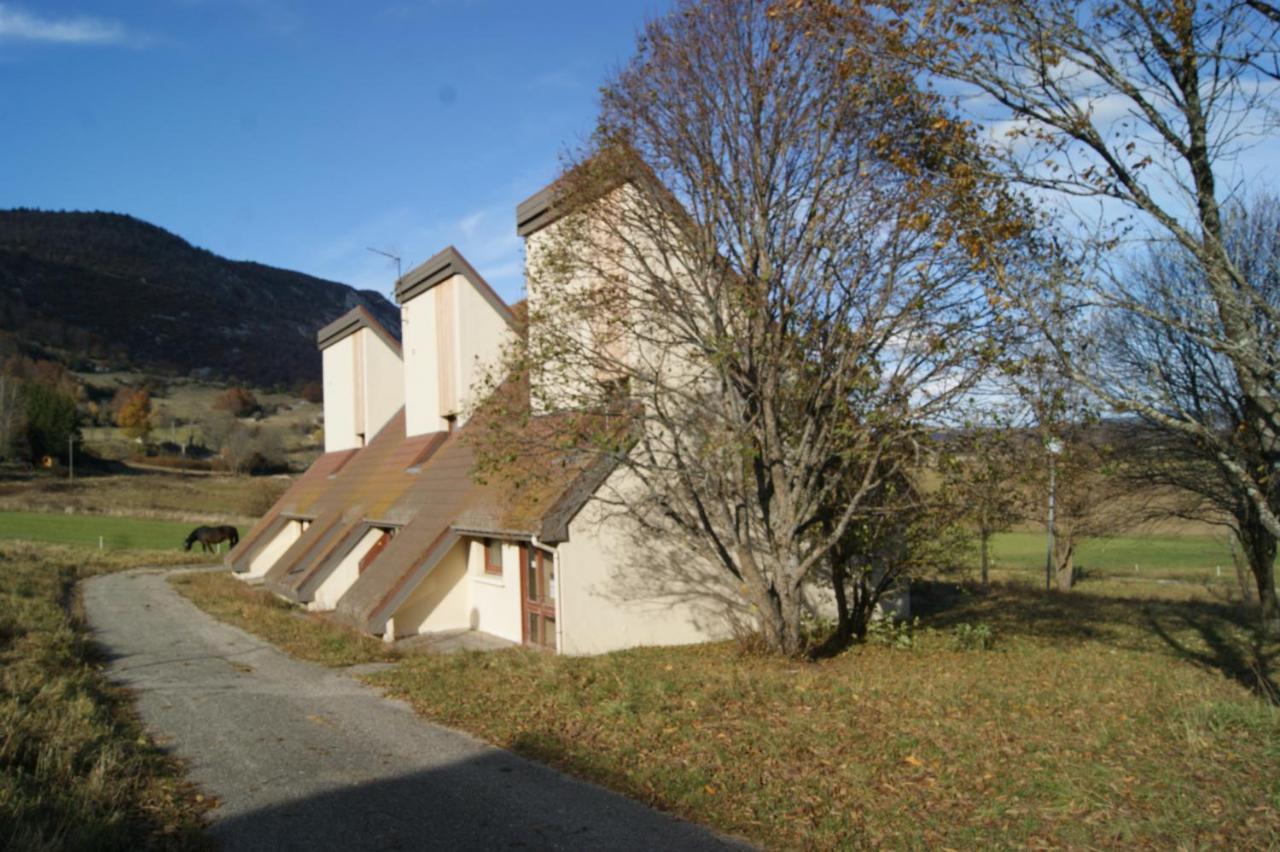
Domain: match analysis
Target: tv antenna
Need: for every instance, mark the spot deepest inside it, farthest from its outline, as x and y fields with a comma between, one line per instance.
x=394, y=257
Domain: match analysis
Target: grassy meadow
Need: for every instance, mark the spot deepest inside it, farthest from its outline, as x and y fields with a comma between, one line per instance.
x=77, y=771
x=112, y=533
x=1192, y=558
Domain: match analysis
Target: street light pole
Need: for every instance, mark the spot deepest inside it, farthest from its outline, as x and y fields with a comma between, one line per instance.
x=71, y=457
x=1054, y=446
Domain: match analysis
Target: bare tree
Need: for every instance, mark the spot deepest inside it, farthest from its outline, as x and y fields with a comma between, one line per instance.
x=1132, y=117
x=984, y=468
x=765, y=280
x=1184, y=373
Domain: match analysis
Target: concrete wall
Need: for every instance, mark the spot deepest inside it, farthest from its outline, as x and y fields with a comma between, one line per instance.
x=441, y=600
x=271, y=552
x=495, y=601
x=363, y=389
x=341, y=578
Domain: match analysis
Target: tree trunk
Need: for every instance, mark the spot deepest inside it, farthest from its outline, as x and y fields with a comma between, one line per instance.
x=1259, y=548
x=1064, y=559
x=985, y=549
x=839, y=579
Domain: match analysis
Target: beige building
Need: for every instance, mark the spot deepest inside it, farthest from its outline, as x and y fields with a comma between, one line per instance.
x=389, y=532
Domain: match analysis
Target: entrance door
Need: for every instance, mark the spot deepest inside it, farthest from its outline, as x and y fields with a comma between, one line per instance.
x=538, y=597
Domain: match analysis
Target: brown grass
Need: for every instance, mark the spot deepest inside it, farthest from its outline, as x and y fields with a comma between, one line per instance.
x=204, y=499
x=77, y=770
x=307, y=636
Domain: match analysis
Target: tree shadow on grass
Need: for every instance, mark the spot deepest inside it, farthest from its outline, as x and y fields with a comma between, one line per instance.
x=1214, y=632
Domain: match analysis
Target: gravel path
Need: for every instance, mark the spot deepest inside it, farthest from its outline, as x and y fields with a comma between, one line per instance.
x=304, y=757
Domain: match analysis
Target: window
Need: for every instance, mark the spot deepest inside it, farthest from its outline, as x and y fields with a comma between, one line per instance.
x=492, y=556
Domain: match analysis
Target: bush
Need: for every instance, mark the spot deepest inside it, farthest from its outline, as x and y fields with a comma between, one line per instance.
x=238, y=402
x=312, y=392
x=892, y=634
x=973, y=637
x=257, y=501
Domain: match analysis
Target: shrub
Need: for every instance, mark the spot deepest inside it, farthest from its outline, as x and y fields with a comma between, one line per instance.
x=238, y=402
x=973, y=637
x=312, y=392
x=891, y=633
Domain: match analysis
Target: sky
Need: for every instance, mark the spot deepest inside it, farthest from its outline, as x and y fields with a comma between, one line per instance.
x=299, y=134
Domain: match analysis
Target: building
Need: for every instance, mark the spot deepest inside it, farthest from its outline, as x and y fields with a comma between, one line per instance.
x=389, y=532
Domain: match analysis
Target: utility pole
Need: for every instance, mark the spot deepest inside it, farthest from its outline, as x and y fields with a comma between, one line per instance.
x=71, y=456
x=1054, y=447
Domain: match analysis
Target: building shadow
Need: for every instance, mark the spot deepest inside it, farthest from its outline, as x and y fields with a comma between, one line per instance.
x=491, y=801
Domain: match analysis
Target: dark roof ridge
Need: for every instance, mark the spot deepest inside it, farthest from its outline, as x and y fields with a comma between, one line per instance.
x=349, y=323
x=442, y=266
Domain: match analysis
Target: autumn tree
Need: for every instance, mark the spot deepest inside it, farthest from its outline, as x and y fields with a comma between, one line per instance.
x=1185, y=373
x=764, y=281
x=133, y=414
x=238, y=402
x=984, y=470
x=1130, y=121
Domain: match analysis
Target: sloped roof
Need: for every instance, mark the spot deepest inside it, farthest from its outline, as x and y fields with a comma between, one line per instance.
x=367, y=490
x=298, y=500
x=351, y=322
x=440, y=268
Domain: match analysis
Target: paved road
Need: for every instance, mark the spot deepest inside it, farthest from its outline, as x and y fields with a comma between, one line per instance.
x=305, y=757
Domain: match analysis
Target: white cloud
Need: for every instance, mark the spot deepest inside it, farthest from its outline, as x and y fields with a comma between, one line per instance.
x=17, y=25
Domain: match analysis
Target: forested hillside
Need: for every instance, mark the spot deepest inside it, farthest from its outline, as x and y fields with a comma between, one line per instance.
x=112, y=289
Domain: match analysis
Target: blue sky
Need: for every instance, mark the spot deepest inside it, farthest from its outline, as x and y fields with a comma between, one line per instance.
x=298, y=133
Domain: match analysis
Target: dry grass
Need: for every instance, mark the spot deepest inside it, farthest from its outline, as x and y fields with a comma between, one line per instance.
x=285, y=625
x=1097, y=721
x=78, y=771
x=1116, y=716
x=204, y=499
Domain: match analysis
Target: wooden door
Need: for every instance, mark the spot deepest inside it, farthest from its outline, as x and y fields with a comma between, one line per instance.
x=377, y=548
x=538, y=597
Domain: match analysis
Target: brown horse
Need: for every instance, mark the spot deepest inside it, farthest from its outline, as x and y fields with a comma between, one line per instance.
x=211, y=537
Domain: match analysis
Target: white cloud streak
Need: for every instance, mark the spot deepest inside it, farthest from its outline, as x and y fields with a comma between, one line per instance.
x=17, y=25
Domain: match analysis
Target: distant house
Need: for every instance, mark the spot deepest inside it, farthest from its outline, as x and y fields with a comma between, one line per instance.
x=388, y=531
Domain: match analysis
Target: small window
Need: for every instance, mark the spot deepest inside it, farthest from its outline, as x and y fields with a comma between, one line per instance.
x=492, y=556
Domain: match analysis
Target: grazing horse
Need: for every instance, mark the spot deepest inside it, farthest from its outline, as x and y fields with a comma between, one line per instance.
x=211, y=537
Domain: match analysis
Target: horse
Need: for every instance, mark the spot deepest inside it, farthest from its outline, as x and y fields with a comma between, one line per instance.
x=211, y=537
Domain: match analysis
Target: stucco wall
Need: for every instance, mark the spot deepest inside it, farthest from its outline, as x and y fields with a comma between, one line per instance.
x=268, y=555
x=338, y=362
x=384, y=382
x=495, y=601
x=348, y=570
x=616, y=594
x=440, y=601
x=421, y=380
x=482, y=335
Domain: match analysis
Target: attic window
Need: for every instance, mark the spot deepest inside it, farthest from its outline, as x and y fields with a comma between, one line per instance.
x=493, y=556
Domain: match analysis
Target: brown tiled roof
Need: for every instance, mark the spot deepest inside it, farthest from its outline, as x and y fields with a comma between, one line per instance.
x=298, y=500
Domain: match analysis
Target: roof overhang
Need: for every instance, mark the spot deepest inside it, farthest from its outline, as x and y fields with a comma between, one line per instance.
x=351, y=322
x=440, y=268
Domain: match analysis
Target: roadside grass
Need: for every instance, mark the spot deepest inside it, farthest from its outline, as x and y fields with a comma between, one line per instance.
x=1104, y=718
x=286, y=625
x=206, y=499
x=77, y=770
x=117, y=533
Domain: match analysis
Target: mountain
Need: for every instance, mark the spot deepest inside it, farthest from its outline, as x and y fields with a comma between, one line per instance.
x=111, y=289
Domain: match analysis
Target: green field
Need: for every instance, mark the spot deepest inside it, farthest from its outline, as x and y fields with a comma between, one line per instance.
x=1194, y=558
x=115, y=533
